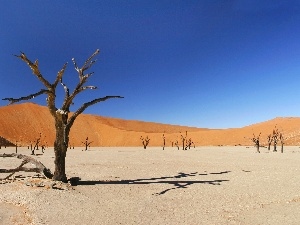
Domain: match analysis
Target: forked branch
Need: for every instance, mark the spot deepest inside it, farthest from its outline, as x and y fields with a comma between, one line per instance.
x=35, y=69
x=82, y=80
x=88, y=63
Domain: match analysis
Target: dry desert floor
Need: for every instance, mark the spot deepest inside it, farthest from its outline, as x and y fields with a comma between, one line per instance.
x=204, y=185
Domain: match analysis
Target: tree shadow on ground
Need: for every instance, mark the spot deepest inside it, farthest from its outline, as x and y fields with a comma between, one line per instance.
x=157, y=180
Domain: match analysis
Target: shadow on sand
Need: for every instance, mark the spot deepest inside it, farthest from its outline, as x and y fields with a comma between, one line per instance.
x=157, y=180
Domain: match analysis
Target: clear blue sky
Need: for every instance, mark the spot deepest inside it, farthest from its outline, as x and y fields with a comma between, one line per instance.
x=215, y=64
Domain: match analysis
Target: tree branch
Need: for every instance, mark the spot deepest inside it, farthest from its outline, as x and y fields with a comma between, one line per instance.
x=35, y=69
x=87, y=104
x=82, y=80
x=89, y=62
x=60, y=75
x=67, y=91
x=88, y=87
x=39, y=167
x=13, y=100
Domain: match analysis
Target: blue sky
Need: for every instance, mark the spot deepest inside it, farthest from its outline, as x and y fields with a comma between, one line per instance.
x=215, y=64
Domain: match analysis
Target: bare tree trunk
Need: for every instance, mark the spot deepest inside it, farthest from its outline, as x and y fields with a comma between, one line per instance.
x=281, y=147
x=16, y=146
x=60, y=150
x=60, y=162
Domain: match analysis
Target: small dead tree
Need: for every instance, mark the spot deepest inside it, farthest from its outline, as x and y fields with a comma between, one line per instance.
x=36, y=145
x=17, y=145
x=177, y=144
x=281, y=138
x=43, y=146
x=63, y=122
x=256, y=141
x=190, y=143
x=164, y=141
x=145, y=141
x=183, y=140
x=275, y=137
x=186, y=142
x=86, y=143
x=270, y=140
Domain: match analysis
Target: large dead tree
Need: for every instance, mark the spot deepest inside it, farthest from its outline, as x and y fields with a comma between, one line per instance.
x=63, y=122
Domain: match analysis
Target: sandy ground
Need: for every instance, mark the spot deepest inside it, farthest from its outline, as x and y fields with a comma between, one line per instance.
x=205, y=185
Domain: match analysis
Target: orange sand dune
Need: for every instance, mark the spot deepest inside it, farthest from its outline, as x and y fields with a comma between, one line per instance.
x=24, y=122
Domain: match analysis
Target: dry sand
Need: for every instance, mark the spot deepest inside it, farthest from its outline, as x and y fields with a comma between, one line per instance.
x=205, y=185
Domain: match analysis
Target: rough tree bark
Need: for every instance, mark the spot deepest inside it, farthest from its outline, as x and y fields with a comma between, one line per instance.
x=63, y=123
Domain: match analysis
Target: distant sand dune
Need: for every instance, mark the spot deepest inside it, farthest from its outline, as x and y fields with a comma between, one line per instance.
x=24, y=122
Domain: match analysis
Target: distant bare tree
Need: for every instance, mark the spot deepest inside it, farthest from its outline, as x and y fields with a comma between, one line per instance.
x=17, y=145
x=269, y=139
x=256, y=141
x=186, y=143
x=87, y=143
x=281, y=138
x=36, y=145
x=145, y=141
x=164, y=141
x=177, y=144
x=190, y=143
x=183, y=140
x=63, y=123
x=275, y=137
